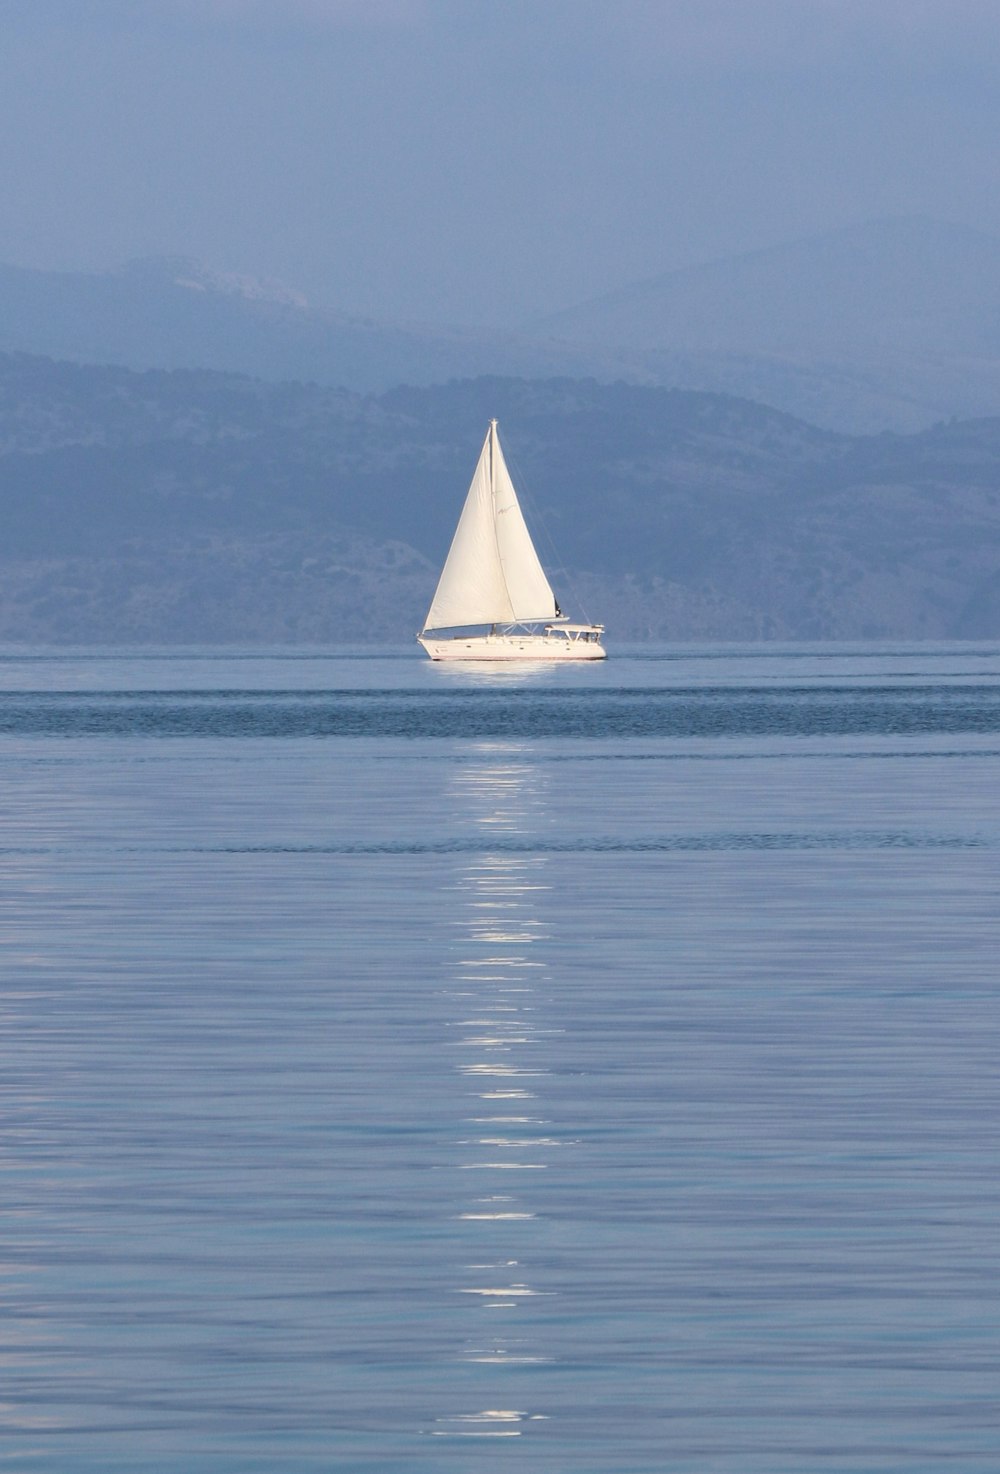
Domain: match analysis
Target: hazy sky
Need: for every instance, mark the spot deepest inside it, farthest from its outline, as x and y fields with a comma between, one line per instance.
x=483, y=160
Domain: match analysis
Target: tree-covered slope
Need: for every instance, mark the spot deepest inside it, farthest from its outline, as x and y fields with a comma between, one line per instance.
x=186, y=505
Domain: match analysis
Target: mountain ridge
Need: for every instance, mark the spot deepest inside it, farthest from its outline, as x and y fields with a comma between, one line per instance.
x=189, y=506
x=867, y=346
x=905, y=270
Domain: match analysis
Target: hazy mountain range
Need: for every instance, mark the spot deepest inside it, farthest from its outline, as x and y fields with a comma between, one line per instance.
x=888, y=325
x=910, y=285
x=197, y=505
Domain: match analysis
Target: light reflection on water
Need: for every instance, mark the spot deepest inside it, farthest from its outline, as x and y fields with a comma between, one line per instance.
x=500, y=902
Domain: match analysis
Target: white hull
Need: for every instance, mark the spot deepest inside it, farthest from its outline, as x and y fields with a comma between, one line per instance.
x=556, y=647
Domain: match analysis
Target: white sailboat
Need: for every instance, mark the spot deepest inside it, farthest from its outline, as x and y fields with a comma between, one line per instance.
x=493, y=595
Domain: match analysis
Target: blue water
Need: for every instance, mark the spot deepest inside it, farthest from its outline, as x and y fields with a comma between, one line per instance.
x=412, y=1069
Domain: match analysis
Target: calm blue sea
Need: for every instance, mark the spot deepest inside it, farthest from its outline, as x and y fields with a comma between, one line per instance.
x=419, y=1069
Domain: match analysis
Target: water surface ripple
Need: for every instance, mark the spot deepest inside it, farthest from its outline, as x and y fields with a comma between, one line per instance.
x=408, y=1069
x=535, y=711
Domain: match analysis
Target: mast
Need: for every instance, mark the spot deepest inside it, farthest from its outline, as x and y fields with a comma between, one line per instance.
x=493, y=474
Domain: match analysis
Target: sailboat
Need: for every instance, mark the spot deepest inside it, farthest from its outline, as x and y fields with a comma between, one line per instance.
x=493, y=600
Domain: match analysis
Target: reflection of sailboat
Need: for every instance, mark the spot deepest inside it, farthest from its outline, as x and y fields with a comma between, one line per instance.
x=493, y=593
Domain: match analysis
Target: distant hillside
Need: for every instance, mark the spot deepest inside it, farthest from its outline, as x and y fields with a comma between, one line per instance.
x=190, y=506
x=896, y=285
x=884, y=324
x=171, y=312
x=893, y=325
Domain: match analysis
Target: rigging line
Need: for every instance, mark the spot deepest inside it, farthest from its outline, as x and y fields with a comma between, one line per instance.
x=537, y=519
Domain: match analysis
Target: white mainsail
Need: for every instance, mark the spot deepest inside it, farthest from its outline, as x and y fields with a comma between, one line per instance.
x=492, y=574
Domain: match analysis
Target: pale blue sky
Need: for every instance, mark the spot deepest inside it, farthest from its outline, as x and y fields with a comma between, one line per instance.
x=477, y=162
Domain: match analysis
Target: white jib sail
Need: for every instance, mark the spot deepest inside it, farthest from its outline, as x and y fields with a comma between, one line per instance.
x=491, y=574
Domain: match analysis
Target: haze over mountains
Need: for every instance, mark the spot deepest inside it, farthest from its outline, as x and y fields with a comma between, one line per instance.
x=904, y=284
x=887, y=325
x=172, y=312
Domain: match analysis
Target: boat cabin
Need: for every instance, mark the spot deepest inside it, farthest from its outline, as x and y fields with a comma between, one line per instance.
x=577, y=633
